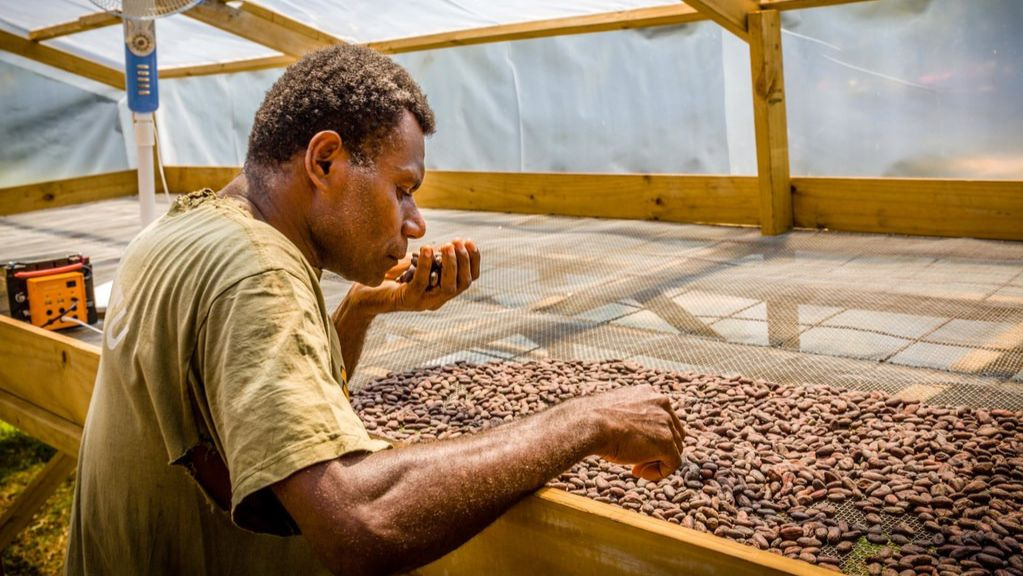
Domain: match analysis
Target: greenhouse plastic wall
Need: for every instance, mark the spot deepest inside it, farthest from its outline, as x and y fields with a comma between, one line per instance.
x=908, y=88
x=53, y=128
x=914, y=88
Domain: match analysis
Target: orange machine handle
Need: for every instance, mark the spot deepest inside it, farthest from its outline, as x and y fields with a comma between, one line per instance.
x=48, y=271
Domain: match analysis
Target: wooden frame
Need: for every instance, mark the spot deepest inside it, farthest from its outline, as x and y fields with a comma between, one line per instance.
x=550, y=532
x=933, y=207
x=732, y=15
x=62, y=60
x=56, y=193
x=770, y=124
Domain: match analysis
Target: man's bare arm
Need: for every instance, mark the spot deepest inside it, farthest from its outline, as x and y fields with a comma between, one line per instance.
x=397, y=509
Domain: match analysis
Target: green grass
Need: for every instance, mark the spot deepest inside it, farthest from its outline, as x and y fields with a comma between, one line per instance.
x=39, y=549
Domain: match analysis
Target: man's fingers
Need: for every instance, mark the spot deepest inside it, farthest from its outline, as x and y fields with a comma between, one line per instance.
x=464, y=274
x=474, y=258
x=448, y=275
x=651, y=471
x=421, y=278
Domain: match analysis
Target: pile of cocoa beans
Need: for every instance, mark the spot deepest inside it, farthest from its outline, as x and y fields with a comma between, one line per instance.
x=932, y=489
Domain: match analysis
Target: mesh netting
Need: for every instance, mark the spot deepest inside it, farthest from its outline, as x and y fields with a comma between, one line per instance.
x=939, y=321
x=935, y=320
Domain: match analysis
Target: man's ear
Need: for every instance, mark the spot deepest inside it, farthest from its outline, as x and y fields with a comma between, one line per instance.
x=324, y=156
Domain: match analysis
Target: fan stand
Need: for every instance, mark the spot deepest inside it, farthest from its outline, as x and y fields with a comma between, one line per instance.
x=144, y=142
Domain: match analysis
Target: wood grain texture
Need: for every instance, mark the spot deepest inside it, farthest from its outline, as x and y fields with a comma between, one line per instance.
x=770, y=123
x=62, y=60
x=48, y=370
x=672, y=198
x=553, y=532
x=962, y=208
x=81, y=24
x=227, y=67
x=730, y=14
x=293, y=40
x=602, y=22
x=42, y=195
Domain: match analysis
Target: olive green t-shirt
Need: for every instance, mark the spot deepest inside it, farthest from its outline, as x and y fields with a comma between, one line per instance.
x=217, y=342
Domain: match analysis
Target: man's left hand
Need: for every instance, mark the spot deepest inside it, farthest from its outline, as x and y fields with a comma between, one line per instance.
x=460, y=262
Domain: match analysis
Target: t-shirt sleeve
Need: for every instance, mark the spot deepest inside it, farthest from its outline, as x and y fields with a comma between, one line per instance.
x=276, y=408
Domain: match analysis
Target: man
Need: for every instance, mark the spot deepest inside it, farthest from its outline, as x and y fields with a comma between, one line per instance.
x=220, y=439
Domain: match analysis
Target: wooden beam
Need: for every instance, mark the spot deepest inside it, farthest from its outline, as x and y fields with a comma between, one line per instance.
x=82, y=24
x=185, y=179
x=50, y=371
x=607, y=21
x=59, y=59
x=971, y=208
x=228, y=67
x=803, y=4
x=770, y=122
x=730, y=14
x=55, y=193
x=19, y=515
x=294, y=39
x=554, y=532
x=603, y=22
x=40, y=423
x=672, y=198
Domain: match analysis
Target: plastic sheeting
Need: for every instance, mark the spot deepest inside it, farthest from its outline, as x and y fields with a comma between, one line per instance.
x=916, y=88
x=52, y=130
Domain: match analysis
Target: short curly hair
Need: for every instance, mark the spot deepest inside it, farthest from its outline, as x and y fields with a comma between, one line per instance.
x=350, y=89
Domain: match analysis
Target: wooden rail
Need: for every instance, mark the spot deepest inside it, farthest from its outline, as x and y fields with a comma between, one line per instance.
x=990, y=209
x=550, y=532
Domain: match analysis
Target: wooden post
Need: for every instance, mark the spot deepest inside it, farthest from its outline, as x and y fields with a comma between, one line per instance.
x=770, y=121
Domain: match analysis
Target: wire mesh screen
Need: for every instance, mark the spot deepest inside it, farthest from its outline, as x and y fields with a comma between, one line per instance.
x=934, y=320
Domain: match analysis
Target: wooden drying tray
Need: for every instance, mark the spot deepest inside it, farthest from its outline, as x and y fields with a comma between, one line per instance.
x=46, y=381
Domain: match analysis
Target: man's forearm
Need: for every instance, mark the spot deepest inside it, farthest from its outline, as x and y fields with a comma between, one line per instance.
x=352, y=320
x=406, y=507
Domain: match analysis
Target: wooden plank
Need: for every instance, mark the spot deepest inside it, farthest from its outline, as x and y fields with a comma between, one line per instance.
x=554, y=532
x=254, y=27
x=770, y=122
x=48, y=370
x=672, y=198
x=804, y=4
x=602, y=22
x=185, y=179
x=81, y=24
x=228, y=67
x=32, y=498
x=730, y=14
x=971, y=208
x=59, y=59
x=40, y=424
x=42, y=195
x=278, y=19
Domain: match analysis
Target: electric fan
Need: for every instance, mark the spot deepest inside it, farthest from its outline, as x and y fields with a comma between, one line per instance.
x=141, y=76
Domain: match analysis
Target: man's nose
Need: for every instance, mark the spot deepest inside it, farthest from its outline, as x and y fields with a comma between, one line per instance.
x=413, y=226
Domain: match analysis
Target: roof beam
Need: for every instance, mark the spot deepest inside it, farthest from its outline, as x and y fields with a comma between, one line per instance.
x=730, y=14
x=606, y=21
x=262, y=26
x=228, y=67
x=82, y=24
x=63, y=60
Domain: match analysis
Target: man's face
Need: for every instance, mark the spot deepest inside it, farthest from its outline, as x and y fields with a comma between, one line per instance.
x=361, y=228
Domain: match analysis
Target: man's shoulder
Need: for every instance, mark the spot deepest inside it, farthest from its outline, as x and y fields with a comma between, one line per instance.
x=216, y=237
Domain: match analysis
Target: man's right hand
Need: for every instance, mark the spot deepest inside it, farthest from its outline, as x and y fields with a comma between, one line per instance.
x=640, y=428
